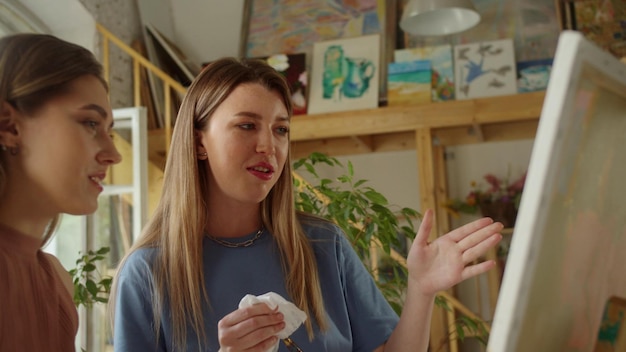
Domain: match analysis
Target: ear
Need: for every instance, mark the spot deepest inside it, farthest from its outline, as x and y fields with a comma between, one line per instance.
x=201, y=152
x=9, y=117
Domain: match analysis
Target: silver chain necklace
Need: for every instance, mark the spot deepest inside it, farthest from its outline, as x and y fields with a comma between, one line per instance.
x=247, y=243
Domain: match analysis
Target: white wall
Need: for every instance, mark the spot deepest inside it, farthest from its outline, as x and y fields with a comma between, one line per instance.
x=206, y=30
x=80, y=29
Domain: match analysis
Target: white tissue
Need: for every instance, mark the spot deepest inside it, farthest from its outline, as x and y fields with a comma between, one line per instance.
x=294, y=317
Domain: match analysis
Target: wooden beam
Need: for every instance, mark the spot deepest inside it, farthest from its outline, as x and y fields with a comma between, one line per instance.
x=411, y=117
x=366, y=142
x=477, y=131
x=441, y=187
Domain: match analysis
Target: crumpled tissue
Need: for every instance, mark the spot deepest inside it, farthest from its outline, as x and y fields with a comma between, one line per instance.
x=294, y=317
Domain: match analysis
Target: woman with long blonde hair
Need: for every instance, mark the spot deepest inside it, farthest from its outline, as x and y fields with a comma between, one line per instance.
x=226, y=227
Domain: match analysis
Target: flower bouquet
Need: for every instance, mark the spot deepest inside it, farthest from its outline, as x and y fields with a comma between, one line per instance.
x=500, y=200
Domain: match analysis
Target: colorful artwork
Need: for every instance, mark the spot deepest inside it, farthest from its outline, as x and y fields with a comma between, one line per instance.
x=604, y=23
x=533, y=75
x=409, y=82
x=293, y=67
x=345, y=74
x=612, y=334
x=293, y=26
x=484, y=69
x=442, y=70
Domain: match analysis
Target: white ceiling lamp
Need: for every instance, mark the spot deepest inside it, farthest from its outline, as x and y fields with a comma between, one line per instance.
x=438, y=17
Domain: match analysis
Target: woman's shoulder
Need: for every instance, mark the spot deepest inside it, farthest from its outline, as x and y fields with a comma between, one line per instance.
x=62, y=273
x=319, y=228
x=139, y=261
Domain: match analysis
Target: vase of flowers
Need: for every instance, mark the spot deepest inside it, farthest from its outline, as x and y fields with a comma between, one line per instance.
x=499, y=200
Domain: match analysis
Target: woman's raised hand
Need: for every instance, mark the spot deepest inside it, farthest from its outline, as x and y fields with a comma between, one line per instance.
x=450, y=259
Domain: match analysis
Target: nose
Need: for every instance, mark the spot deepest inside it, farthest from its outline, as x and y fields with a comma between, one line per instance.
x=109, y=154
x=265, y=144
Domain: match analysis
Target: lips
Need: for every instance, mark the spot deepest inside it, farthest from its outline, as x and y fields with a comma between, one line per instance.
x=263, y=171
x=97, y=179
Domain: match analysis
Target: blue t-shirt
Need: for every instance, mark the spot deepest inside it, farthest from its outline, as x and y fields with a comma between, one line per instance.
x=359, y=317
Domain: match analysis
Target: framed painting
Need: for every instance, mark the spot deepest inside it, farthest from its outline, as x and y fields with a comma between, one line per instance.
x=442, y=67
x=484, y=69
x=566, y=258
x=293, y=26
x=409, y=82
x=344, y=74
x=533, y=75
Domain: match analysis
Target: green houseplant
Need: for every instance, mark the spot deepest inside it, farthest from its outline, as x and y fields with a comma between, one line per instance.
x=90, y=285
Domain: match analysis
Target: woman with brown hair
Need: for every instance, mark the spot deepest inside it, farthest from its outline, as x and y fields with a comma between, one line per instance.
x=55, y=148
x=226, y=226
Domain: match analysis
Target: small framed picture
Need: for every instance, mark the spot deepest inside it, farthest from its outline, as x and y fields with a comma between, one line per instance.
x=345, y=74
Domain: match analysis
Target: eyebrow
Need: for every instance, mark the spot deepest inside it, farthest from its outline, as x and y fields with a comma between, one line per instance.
x=99, y=109
x=259, y=117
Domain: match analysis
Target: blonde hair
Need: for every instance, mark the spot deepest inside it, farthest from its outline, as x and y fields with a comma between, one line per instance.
x=177, y=226
x=35, y=68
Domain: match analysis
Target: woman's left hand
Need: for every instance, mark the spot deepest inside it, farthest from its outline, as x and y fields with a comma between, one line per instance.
x=449, y=259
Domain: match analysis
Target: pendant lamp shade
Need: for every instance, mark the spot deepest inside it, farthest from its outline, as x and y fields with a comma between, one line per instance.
x=438, y=17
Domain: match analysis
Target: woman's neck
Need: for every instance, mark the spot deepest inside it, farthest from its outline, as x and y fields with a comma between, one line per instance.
x=225, y=221
x=20, y=213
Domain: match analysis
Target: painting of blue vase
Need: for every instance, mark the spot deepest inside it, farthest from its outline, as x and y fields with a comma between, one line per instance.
x=345, y=74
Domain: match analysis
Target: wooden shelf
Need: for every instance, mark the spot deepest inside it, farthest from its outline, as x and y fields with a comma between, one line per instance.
x=393, y=128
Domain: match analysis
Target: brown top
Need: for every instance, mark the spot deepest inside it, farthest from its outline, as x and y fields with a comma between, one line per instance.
x=36, y=310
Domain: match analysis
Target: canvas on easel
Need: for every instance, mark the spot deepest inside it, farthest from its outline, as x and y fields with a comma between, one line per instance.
x=567, y=255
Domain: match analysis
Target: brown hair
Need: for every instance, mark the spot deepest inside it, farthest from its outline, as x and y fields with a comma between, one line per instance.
x=35, y=68
x=176, y=228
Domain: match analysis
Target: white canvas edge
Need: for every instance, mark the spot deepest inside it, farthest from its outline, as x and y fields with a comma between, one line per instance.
x=572, y=51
